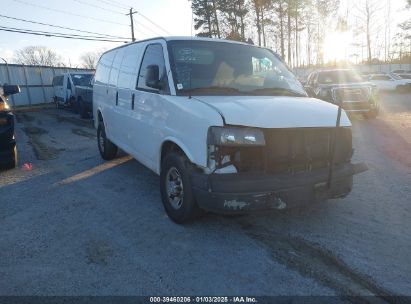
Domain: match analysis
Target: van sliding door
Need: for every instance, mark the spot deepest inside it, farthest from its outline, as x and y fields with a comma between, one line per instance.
x=113, y=97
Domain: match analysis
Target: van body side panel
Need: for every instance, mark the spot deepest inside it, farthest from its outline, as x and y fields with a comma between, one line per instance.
x=116, y=113
x=183, y=121
x=127, y=81
x=101, y=100
x=155, y=118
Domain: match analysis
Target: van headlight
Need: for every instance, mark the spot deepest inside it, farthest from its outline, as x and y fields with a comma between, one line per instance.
x=4, y=106
x=235, y=136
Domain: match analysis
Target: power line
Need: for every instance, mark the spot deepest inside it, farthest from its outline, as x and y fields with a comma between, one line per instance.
x=146, y=27
x=99, y=7
x=61, y=27
x=121, y=6
x=69, y=13
x=59, y=35
x=155, y=24
x=118, y=3
x=139, y=28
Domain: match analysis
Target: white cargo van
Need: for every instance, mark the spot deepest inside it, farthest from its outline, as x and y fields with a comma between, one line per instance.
x=64, y=87
x=226, y=125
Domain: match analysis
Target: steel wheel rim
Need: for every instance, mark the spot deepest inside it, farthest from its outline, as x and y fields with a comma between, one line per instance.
x=174, y=188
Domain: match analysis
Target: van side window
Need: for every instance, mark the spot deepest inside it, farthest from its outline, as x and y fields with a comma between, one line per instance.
x=68, y=84
x=103, y=67
x=116, y=67
x=153, y=55
x=127, y=77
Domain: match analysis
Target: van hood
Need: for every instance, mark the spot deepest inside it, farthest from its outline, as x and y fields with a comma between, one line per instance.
x=275, y=111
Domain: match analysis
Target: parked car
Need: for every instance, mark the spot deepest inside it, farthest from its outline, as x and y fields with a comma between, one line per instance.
x=345, y=86
x=65, y=87
x=84, y=98
x=365, y=76
x=390, y=82
x=405, y=76
x=225, y=124
x=8, y=149
x=401, y=72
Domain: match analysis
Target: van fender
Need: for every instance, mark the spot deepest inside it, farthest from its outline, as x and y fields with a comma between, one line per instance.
x=181, y=145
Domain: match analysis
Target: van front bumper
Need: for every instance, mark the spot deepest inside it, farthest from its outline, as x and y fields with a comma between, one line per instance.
x=244, y=192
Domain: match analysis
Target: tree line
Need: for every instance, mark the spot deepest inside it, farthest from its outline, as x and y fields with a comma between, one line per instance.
x=296, y=29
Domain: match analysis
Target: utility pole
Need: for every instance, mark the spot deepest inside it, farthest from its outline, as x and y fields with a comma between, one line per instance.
x=132, y=23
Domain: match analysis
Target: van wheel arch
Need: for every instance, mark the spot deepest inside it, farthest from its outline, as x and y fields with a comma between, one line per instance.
x=170, y=146
x=99, y=116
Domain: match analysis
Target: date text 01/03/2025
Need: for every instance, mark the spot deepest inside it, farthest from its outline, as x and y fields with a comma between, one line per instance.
x=238, y=299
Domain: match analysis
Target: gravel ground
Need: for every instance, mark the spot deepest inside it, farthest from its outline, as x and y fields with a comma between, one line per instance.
x=75, y=225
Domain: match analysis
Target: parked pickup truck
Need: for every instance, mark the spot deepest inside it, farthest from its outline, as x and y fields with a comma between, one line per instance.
x=8, y=149
x=345, y=87
x=84, y=99
x=225, y=124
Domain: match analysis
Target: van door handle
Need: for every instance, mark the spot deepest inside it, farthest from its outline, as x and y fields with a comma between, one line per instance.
x=116, y=98
x=133, y=97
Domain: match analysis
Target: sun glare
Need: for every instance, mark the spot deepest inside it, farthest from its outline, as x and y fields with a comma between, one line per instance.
x=336, y=46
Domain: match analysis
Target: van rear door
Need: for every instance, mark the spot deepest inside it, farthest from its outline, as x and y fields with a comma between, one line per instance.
x=58, y=88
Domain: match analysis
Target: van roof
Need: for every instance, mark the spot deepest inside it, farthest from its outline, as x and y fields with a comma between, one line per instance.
x=179, y=38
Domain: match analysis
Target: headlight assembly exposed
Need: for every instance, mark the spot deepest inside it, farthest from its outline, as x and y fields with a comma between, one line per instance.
x=235, y=136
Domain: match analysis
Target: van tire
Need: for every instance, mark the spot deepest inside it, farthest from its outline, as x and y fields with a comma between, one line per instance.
x=82, y=108
x=108, y=150
x=177, y=166
x=13, y=162
x=73, y=104
x=57, y=104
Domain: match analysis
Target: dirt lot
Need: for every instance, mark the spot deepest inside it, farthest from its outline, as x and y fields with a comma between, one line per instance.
x=75, y=225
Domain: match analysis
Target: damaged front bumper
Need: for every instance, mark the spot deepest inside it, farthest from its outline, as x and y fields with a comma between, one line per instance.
x=242, y=192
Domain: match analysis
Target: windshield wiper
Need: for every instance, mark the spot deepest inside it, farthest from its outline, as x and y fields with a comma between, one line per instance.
x=278, y=92
x=211, y=89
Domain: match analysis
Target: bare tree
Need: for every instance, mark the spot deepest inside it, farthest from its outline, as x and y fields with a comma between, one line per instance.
x=89, y=59
x=37, y=55
x=368, y=15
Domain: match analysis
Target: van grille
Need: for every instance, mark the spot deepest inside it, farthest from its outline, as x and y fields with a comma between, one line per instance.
x=306, y=149
x=295, y=150
x=352, y=94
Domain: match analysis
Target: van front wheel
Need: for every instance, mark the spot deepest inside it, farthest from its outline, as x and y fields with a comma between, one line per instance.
x=108, y=150
x=175, y=186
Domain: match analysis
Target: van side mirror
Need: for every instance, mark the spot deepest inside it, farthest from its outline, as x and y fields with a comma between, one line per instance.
x=153, y=77
x=9, y=89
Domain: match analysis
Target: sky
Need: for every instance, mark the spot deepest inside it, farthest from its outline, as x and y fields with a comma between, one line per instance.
x=174, y=16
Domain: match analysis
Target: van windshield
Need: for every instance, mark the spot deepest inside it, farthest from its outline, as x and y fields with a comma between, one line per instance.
x=338, y=76
x=81, y=79
x=219, y=68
